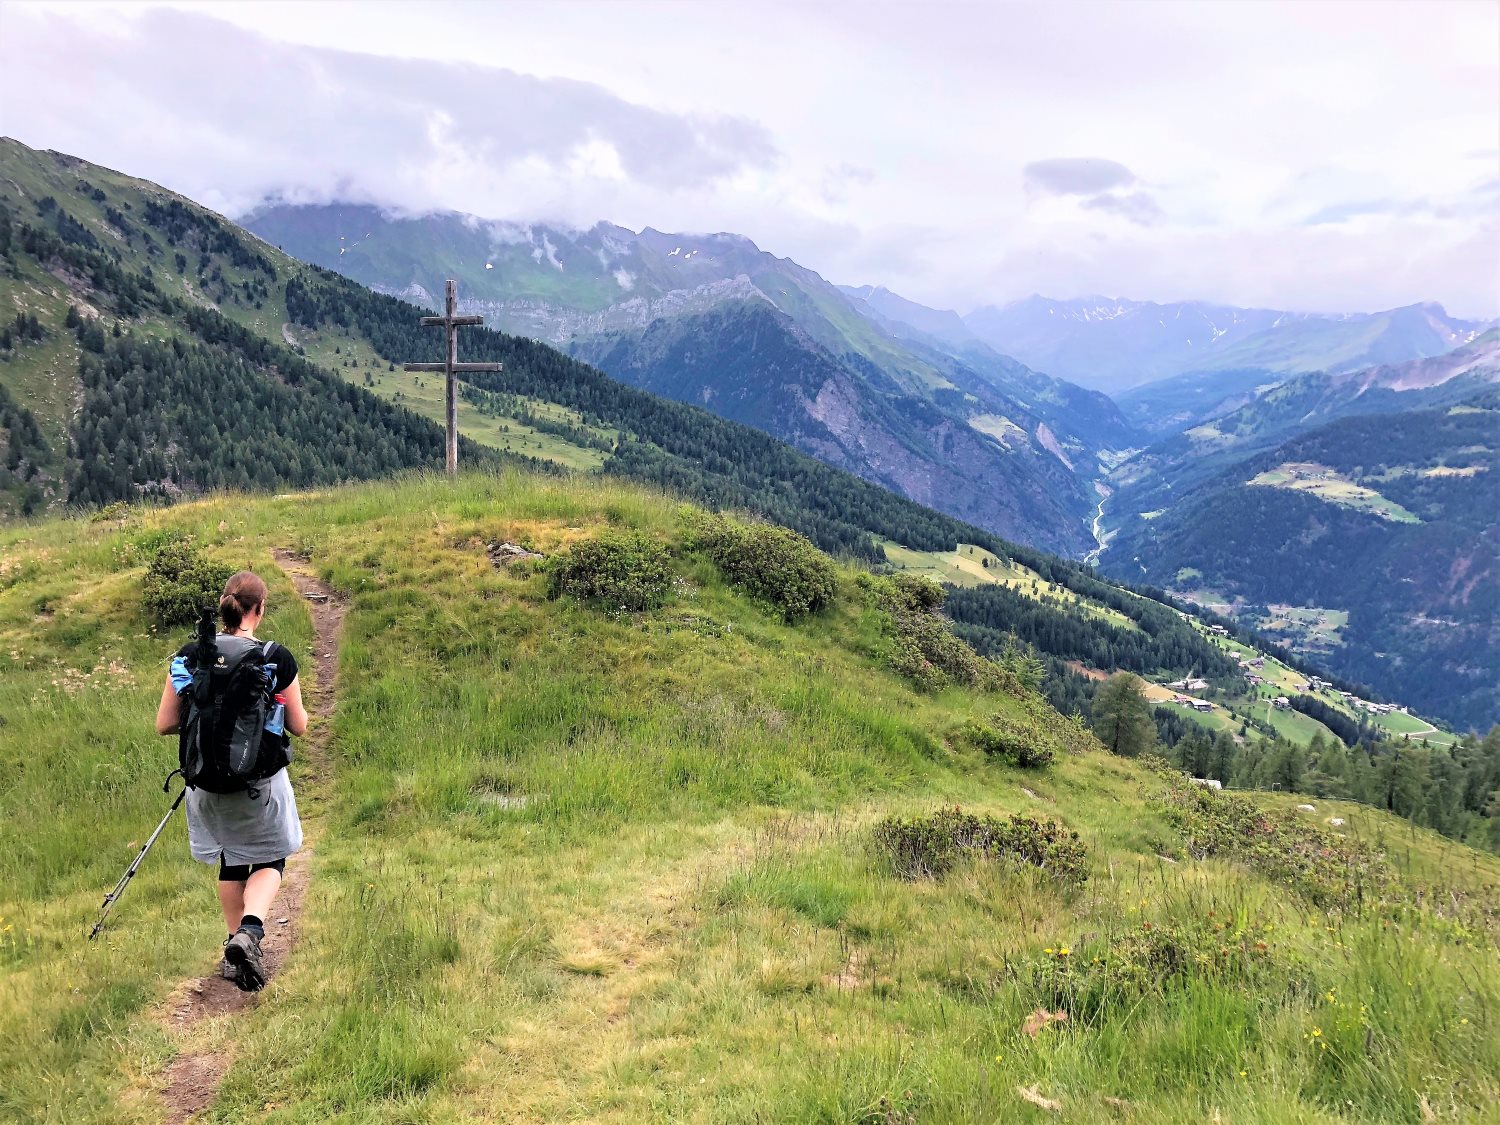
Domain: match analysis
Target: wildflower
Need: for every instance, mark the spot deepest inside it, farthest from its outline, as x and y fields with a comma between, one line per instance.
x=1047, y=950
x=1465, y=1019
x=1317, y=1031
x=1243, y=1073
x=1064, y=951
x=999, y=1057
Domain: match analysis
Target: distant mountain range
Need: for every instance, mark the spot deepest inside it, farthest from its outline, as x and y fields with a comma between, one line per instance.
x=1116, y=344
x=1369, y=497
x=941, y=418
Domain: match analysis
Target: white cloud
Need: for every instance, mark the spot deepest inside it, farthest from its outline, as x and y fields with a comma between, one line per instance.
x=918, y=146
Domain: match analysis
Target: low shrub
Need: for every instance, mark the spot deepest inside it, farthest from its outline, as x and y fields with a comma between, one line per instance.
x=923, y=647
x=623, y=571
x=1023, y=742
x=928, y=847
x=1328, y=869
x=180, y=582
x=767, y=562
x=1151, y=957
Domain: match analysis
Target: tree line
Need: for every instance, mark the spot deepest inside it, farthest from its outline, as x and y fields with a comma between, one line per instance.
x=1454, y=790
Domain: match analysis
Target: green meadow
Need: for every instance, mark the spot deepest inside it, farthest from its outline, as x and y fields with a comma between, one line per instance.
x=579, y=864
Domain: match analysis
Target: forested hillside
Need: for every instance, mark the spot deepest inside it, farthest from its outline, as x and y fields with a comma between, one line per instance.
x=165, y=395
x=1390, y=519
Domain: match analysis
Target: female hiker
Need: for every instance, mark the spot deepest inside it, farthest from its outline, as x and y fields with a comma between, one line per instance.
x=248, y=833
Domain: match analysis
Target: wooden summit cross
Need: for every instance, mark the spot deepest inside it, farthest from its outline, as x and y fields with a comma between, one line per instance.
x=451, y=367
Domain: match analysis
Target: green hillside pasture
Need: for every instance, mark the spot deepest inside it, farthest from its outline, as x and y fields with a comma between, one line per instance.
x=424, y=393
x=965, y=566
x=1293, y=726
x=1311, y=629
x=1329, y=486
x=42, y=376
x=1398, y=723
x=575, y=865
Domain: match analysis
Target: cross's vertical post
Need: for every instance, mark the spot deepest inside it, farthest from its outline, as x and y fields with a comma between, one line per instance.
x=451, y=322
x=451, y=414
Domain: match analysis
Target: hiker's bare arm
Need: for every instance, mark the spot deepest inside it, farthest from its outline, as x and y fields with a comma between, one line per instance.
x=296, y=713
x=167, y=714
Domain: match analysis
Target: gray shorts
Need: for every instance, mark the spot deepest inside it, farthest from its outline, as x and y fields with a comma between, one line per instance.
x=241, y=829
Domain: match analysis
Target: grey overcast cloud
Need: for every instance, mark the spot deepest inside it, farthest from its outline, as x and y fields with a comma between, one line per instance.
x=1315, y=156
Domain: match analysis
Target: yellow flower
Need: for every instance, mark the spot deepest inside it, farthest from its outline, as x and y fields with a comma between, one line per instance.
x=1243, y=1073
x=999, y=1057
x=1464, y=1020
x=1317, y=1031
x=1064, y=951
x=1047, y=950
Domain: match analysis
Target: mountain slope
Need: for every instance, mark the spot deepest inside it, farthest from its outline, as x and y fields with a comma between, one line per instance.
x=748, y=362
x=600, y=292
x=1390, y=519
x=340, y=330
x=626, y=867
x=1088, y=424
x=1115, y=344
x=1233, y=430
x=128, y=380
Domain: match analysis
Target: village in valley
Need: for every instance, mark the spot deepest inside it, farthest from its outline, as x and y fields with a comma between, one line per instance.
x=1267, y=699
x=1264, y=700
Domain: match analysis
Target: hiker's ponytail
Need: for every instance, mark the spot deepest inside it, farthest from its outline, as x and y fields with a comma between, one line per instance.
x=243, y=594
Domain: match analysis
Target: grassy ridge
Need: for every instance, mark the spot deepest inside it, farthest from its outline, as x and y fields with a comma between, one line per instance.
x=577, y=865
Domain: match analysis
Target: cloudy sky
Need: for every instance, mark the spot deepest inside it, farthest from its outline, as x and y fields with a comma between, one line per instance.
x=1324, y=156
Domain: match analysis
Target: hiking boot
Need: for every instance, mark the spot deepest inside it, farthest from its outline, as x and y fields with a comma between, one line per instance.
x=242, y=952
x=226, y=970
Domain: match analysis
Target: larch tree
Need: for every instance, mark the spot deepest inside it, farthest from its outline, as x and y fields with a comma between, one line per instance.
x=1122, y=716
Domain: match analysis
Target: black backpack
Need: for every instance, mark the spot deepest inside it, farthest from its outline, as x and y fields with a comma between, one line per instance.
x=223, y=746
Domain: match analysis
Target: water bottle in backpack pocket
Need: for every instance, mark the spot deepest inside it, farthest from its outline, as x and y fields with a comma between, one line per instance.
x=276, y=719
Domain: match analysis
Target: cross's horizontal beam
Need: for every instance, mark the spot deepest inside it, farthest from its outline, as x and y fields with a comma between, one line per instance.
x=456, y=367
x=444, y=321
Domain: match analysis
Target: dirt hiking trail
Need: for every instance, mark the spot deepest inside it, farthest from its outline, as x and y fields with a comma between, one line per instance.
x=191, y=1080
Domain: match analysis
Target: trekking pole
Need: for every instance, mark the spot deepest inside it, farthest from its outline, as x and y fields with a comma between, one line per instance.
x=114, y=895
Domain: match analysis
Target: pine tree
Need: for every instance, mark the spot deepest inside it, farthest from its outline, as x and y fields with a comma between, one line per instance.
x=1122, y=716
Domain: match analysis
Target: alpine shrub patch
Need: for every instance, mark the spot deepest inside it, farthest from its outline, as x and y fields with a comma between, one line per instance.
x=923, y=647
x=1328, y=869
x=1146, y=956
x=767, y=562
x=1022, y=742
x=928, y=847
x=622, y=571
x=180, y=582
